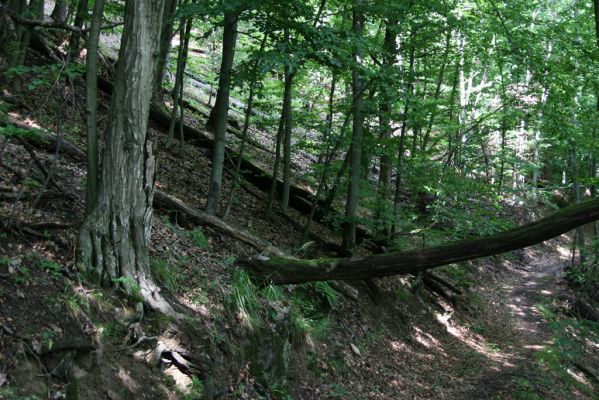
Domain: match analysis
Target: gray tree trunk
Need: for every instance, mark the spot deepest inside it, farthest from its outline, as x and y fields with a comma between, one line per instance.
x=287, y=140
x=60, y=11
x=184, y=33
x=91, y=105
x=166, y=36
x=355, y=159
x=115, y=236
x=220, y=112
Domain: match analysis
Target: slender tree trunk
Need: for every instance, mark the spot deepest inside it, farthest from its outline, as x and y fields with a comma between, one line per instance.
x=385, y=164
x=349, y=225
x=246, y=126
x=404, y=127
x=184, y=33
x=287, y=140
x=324, y=156
x=23, y=37
x=60, y=11
x=431, y=119
x=115, y=236
x=275, y=171
x=579, y=238
x=219, y=114
x=91, y=103
x=166, y=37
x=80, y=15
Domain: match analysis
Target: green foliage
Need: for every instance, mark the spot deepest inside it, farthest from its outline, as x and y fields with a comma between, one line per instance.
x=113, y=330
x=244, y=299
x=169, y=275
x=525, y=390
x=43, y=76
x=52, y=267
x=568, y=347
x=199, y=239
x=196, y=389
x=11, y=131
x=129, y=286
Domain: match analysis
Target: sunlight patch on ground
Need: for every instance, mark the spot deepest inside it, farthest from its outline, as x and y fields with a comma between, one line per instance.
x=476, y=342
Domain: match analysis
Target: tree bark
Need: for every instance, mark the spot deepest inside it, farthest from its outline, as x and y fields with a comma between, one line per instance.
x=114, y=238
x=284, y=271
x=220, y=111
x=91, y=105
x=184, y=33
x=60, y=11
x=80, y=14
x=287, y=140
x=166, y=36
x=355, y=160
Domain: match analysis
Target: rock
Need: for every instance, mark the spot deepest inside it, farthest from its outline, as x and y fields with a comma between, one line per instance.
x=355, y=349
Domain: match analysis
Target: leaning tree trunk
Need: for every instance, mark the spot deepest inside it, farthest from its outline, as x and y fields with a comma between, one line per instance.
x=284, y=270
x=220, y=112
x=115, y=236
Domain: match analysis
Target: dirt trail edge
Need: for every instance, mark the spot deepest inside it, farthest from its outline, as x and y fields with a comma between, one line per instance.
x=519, y=328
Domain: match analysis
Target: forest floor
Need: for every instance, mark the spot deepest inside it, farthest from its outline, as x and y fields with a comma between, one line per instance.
x=507, y=337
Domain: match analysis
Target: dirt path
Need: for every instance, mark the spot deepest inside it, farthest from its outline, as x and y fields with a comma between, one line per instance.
x=520, y=331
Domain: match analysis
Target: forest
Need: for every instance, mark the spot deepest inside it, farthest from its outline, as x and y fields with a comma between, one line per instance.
x=301, y=199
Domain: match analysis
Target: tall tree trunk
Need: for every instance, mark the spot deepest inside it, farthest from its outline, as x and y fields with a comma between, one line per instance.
x=280, y=136
x=166, y=37
x=114, y=238
x=385, y=164
x=579, y=238
x=60, y=11
x=219, y=114
x=246, y=126
x=184, y=33
x=355, y=166
x=19, y=52
x=287, y=139
x=431, y=119
x=325, y=156
x=80, y=15
x=91, y=105
x=404, y=126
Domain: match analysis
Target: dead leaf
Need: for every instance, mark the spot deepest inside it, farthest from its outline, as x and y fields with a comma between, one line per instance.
x=355, y=349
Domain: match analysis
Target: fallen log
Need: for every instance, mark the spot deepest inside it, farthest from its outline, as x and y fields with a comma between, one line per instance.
x=283, y=271
x=199, y=217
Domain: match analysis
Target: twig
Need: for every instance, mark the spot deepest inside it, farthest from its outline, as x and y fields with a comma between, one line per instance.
x=137, y=343
x=14, y=206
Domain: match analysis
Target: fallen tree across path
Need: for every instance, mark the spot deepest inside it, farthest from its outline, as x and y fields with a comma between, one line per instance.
x=283, y=271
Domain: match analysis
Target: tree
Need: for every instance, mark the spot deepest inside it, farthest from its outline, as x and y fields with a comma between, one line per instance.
x=60, y=11
x=219, y=115
x=287, y=270
x=166, y=36
x=114, y=237
x=355, y=159
x=91, y=103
